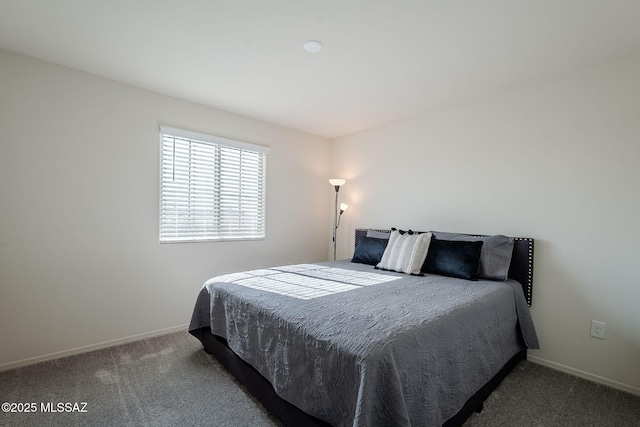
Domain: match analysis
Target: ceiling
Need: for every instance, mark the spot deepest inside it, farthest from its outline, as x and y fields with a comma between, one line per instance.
x=383, y=60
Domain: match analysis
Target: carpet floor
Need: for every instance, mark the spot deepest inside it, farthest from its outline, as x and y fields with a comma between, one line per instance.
x=170, y=381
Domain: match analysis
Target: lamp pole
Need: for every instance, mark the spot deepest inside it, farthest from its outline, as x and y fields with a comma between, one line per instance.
x=335, y=222
x=336, y=219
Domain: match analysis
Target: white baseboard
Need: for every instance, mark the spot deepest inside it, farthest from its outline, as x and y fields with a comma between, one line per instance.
x=92, y=347
x=586, y=375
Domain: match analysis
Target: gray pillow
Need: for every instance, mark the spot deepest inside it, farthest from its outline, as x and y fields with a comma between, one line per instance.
x=495, y=256
x=378, y=234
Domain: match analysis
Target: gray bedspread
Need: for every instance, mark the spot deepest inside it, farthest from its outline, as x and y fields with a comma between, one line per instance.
x=361, y=347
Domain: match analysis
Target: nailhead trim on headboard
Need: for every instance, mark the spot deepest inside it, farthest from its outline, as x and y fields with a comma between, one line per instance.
x=521, y=268
x=529, y=287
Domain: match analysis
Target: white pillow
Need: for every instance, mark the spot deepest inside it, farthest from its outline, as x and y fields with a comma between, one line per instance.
x=405, y=253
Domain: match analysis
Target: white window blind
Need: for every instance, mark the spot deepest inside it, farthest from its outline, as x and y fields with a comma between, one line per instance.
x=211, y=188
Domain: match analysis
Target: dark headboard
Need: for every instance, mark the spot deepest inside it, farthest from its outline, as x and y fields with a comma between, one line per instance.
x=521, y=268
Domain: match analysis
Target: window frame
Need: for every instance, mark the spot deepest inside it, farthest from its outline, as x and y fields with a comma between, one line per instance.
x=219, y=144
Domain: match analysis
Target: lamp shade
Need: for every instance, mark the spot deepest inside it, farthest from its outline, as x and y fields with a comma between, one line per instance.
x=337, y=182
x=343, y=207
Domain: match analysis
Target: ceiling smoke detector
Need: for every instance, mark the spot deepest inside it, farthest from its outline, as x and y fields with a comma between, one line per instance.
x=313, y=46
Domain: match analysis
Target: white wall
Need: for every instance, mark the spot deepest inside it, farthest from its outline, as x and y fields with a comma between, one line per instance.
x=80, y=262
x=557, y=160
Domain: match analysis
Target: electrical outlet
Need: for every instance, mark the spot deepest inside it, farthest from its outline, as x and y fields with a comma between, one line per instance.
x=597, y=329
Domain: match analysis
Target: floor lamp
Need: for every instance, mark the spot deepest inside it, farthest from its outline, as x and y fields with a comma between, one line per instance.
x=337, y=183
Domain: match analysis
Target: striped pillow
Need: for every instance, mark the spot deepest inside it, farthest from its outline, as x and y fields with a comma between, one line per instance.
x=405, y=253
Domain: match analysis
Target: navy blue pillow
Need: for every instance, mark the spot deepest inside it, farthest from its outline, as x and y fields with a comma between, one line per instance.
x=369, y=250
x=453, y=258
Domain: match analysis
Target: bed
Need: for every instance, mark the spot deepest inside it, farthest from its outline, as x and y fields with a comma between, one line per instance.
x=343, y=343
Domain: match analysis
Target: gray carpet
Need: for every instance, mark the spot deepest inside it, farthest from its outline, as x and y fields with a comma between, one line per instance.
x=170, y=381
x=536, y=396
x=162, y=381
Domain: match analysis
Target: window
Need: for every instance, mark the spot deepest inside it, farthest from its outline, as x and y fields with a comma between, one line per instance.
x=211, y=188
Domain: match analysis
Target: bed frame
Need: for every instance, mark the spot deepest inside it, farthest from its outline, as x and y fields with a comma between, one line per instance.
x=521, y=269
